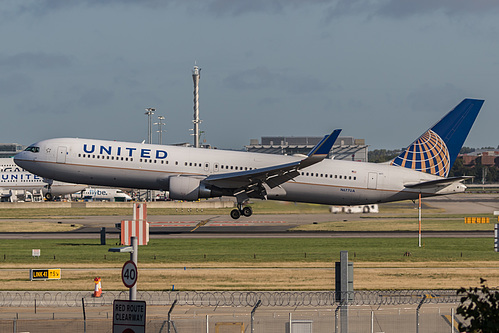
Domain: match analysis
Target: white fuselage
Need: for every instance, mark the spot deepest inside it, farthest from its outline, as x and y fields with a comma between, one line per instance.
x=104, y=194
x=147, y=166
x=16, y=183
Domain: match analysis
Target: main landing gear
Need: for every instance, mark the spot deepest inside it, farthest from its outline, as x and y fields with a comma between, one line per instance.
x=245, y=211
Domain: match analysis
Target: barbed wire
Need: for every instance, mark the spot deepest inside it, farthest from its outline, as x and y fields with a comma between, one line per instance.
x=229, y=298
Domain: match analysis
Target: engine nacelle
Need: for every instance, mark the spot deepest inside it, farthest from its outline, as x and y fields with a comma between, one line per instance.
x=189, y=188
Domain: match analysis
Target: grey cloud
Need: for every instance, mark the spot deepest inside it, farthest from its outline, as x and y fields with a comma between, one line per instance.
x=301, y=85
x=262, y=77
x=431, y=99
x=333, y=8
x=95, y=98
x=15, y=84
x=256, y=78
x=35, y=61
x=407, y=8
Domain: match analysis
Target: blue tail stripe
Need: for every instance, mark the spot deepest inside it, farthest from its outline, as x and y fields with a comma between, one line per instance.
x=455, y=126
x=439, y=146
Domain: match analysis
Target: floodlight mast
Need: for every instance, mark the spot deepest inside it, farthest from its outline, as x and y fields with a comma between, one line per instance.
x=149, y=113
x=160, y=124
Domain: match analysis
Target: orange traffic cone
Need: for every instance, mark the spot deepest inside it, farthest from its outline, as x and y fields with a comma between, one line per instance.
x=98, y=287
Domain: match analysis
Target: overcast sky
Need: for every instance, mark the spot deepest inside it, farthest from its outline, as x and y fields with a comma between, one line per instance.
x=382, y=70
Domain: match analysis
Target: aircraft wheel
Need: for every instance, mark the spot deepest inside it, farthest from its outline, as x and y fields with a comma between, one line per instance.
x=247, y=211
x=235, y=214
x=49, y=196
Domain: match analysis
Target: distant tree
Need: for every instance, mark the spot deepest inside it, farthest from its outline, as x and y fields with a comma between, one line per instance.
x=382, y=155
x=466, y=150
x=481, y=307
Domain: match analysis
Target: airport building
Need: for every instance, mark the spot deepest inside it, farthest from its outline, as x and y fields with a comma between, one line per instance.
x=345, y=147
x=8, y=150
x=486, y=157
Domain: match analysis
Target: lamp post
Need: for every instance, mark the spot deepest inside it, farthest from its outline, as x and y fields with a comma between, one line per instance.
x=160, y=124
x=149, y=113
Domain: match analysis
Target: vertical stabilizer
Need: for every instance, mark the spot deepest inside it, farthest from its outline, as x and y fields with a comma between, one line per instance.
x=436, y=150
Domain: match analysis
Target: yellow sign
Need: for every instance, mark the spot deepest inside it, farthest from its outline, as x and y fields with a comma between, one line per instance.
x=45, y=274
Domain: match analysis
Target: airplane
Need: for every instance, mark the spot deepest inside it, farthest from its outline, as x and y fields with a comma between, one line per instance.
x=193, y=173
x=24, y=184
x=7, y=164
x=104, y=194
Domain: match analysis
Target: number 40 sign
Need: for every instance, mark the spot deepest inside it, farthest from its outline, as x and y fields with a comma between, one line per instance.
x=129, y=274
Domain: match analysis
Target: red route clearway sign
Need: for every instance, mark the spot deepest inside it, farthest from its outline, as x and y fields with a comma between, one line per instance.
x=129, y=316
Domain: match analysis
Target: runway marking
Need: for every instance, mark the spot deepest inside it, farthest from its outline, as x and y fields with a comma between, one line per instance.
x=200, y=224
x=209, y=223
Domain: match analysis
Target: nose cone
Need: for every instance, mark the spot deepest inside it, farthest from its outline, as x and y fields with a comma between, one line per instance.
x=27, y=157
x=19, y=159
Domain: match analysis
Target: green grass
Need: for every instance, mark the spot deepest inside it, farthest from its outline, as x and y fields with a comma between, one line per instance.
x=441, y=223
x=188, y=251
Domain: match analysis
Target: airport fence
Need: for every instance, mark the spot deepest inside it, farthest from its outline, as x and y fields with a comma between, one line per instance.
x=228, y=298
x=399, y=320
x=234, y=311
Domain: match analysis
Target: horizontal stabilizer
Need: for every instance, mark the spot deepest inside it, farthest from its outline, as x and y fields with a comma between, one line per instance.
x=438, y=182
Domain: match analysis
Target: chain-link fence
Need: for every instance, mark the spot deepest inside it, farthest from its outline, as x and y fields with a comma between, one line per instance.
x=234, y=311
x=431, y=318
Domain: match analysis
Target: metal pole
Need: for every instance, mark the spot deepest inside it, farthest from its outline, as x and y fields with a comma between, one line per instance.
x=290, y=323
x=170, y=314
x=133, y=257
x=419, y=219
x=149, y=113
x=84, y=315
x=160, y=124
x=207, y=324
x=345, y=293
x=336, y=320
x=372, y=321
x=253, y=314
x=417, y=313
x=452, y=321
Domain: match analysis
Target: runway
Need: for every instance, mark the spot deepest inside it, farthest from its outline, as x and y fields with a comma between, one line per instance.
x=268, y=226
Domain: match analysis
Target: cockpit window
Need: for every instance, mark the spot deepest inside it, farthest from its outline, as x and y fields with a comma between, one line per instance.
x=33, y=149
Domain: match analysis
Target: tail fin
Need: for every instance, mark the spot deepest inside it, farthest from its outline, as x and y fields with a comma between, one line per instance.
x=436, y=150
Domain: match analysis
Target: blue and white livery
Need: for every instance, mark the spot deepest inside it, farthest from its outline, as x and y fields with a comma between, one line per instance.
x=193, y=173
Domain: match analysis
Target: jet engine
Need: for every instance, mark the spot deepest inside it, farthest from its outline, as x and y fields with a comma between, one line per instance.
x=190, y=189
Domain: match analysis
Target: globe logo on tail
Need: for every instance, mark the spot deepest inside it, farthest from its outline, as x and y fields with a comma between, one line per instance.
x=428, y=154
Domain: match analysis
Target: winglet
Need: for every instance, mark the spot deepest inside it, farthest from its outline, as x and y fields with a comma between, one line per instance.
x=325, y=145
x=321, y=150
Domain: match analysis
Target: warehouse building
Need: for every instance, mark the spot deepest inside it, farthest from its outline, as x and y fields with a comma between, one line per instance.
x=345, y=147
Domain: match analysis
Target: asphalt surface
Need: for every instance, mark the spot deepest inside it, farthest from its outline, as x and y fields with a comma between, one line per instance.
x=258, y=225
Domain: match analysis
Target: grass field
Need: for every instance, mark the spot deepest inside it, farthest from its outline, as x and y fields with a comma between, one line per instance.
x=259, y=250
x=255, y=264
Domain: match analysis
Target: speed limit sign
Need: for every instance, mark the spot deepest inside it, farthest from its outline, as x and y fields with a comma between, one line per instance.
x=129, y=274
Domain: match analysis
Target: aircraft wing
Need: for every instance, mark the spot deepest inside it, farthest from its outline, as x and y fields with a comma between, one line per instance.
x=438, y=182
x=274, y=175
